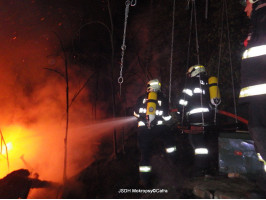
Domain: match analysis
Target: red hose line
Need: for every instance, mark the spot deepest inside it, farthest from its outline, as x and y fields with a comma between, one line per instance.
x=233, y=116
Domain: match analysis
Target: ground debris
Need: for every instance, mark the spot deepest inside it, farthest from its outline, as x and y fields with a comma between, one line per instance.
x=222, y=187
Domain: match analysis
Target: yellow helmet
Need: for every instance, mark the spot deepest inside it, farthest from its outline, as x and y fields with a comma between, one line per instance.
x=195, y=70
x=153, y=85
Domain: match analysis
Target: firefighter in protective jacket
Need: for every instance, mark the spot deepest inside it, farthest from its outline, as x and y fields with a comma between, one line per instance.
x=253, y=75
x=199, y=99
x=151, y=111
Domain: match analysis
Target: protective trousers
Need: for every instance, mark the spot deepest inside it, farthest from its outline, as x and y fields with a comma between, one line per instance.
x=257, y=125
x=201, y=152
x=146, y=138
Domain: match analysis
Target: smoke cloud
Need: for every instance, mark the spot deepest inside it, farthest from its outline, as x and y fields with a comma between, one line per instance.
x=32, y=99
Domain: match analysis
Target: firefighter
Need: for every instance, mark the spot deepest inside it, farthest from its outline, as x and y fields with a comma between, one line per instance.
x=17, y=184
x=151, y=111
x=199, y=99
x=253, y=75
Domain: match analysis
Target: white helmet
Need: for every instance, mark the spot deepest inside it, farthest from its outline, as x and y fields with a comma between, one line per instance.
x=244, y=2
x=195, y=70
x=153, y=85
x=253, y=1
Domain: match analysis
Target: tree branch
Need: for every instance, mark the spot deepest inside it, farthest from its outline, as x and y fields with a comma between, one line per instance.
x=54, y=70
x=79, y=91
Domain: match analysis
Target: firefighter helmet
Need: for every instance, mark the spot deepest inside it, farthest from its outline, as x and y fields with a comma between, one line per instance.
x=244, y=2
x=195, y=70
x=253, y=1
x=153, y=85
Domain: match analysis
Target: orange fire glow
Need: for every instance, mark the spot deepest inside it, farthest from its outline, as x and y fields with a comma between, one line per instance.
x=32, y=100
x=18, y=144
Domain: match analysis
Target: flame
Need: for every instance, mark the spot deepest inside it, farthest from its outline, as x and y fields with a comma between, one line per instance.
x=19, y=141
x=8, y=147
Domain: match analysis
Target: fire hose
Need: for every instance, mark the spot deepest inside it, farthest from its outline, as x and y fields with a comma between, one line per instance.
x=228, y=114
x=241, y=119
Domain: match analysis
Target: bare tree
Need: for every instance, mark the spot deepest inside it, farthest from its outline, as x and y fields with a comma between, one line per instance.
x=65, y=76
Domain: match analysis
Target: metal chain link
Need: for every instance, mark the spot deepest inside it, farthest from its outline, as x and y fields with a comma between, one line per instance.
x=133, y=4
x=123, y=46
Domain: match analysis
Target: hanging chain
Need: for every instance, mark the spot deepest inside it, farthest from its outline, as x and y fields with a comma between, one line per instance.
x=197, y=49
x=230, y=58
x=196, y=30
x=123, y=46
x=172, y=48
x=188, y=54
x=206, y=9
x=133, y=4
x=220, y=55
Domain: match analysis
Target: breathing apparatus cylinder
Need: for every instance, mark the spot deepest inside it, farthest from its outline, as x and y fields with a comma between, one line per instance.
x=151, y=107
x=215, y=96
